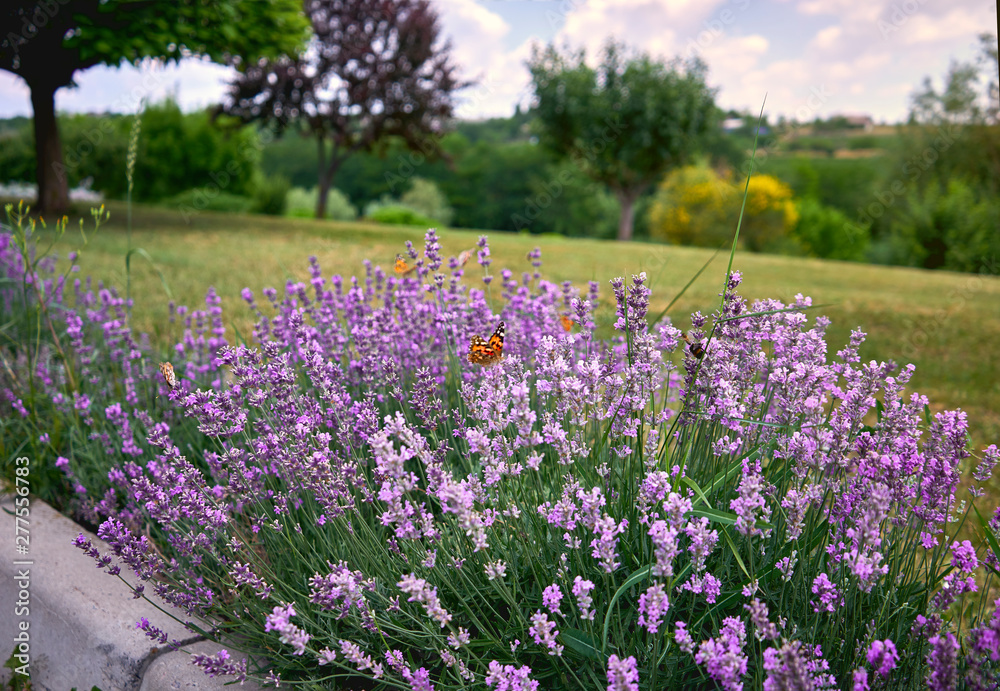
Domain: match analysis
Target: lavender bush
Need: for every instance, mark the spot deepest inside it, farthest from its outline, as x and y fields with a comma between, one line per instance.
x=360, y=506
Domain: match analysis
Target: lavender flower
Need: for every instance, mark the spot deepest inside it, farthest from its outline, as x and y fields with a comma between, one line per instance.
x=510, y=678
x=153, y=633
x=544, y=632
x=882, y=656
x=604, y=546
x=796, y=666
x=723, y=656
x=942, y=659
x=683, y=638
x=581, y=590
x=551, y=597
x=653, y=604
x=623, y=675
x=220, y=665
x=288, y=633
x=419, y=591
x=828, y=594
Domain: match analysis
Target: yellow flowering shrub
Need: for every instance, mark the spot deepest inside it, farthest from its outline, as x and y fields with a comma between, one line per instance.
x=692, y=207
x=695, y=205
x=771, y=212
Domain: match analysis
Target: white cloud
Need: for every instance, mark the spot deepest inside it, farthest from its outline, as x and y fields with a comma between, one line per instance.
x=15, y=98
x=790, y=49
x=828, y=38
x=656, y=26
x=957, y=24
x=477, y=36
x=847, y=11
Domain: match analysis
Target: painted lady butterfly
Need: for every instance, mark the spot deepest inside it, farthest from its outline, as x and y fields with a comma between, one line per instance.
x=402, y=268
x=169, y=376
x=486, y=353
x=566, y=322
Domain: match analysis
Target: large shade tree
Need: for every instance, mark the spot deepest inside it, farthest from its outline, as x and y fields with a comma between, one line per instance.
x=626, y=122
x=375, y=69
x=47, y=42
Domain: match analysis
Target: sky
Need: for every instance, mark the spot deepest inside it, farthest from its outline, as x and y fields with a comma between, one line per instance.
x=811, y=58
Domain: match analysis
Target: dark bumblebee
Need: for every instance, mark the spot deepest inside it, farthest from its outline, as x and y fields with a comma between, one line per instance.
x=696, y=348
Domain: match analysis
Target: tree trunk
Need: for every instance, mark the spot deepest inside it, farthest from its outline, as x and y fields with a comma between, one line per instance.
x=50, y=171
x=626, y=198
x=327, y=173
x=321, y=194
x=323, y=183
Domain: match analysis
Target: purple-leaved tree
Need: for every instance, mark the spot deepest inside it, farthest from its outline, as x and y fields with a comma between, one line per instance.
x=373, y=69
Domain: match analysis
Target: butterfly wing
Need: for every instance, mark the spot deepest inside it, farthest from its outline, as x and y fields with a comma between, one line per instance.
x=169, y=376
x=483, y=352
x=401, y=267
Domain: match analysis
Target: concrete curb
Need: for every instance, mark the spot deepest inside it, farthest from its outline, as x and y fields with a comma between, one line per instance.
x=79, y=621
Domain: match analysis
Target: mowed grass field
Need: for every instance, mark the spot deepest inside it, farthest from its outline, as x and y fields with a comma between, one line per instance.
x=947, y=324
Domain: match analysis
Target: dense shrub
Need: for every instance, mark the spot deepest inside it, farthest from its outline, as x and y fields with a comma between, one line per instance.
x=951, y=227
x=426, y=199
x=302, y=204
x=17, y=155
x=193, y=201
x=270, y=195
x=379, y=494
x=177, y=152
x=396, y=214
x=695, y=205
x=845, y=184
x=827, y=233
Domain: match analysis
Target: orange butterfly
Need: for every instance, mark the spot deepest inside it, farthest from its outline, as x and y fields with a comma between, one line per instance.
x=169, y=376
x=566, y=322
x=402, y=268
x=486, y=353
x=696, y=348
x=464, y=257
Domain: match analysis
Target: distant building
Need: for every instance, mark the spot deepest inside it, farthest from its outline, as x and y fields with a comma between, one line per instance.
x=732, y=124
x=864, y=122
x=735, y=124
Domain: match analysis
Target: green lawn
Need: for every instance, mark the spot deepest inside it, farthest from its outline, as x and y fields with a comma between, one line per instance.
x=947, y=324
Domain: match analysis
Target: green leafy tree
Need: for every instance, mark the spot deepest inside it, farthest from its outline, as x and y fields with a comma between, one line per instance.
x=47, y=42
x=627, y=122
x=939, y=196
x=969, y=94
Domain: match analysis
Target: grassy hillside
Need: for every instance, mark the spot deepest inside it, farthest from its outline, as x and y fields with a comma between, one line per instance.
x=947, y=324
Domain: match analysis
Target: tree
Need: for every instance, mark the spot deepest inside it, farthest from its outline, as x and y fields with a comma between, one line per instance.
x=962, y=100
x=625, y=123
x=375, y=69
x=46, y=42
